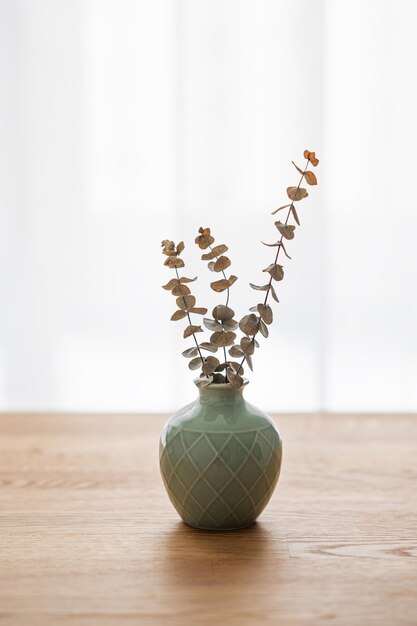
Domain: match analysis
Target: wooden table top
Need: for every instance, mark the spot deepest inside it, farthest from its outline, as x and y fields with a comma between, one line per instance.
x=88, y=536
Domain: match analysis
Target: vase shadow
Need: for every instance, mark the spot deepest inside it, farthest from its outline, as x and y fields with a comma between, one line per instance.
x=198, y=558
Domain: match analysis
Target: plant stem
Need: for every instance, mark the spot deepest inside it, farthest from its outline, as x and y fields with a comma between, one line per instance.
x=227, y=302
x=276, y=259
x=190, y=322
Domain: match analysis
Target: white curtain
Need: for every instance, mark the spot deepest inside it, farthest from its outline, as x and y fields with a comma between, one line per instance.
x=125, y=122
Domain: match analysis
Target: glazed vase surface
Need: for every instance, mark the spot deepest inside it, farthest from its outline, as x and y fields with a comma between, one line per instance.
x=220, y=459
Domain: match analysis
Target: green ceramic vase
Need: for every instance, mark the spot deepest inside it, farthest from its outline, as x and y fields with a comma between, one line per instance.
x=220, y=459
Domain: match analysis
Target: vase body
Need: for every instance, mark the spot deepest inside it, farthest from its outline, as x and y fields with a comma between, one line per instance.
x=220, y=459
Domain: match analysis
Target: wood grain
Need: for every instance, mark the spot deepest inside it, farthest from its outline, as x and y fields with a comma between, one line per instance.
x=88, y=536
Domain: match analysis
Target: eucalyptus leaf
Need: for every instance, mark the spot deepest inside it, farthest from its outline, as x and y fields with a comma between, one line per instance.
x=194, y=364
x=210, y=364
x=222, y=338
x=247, y=345
x=173, y=261
x=212, y=324
x=184, y=279
x=221, y=264
x=310, y=177
x=220, y=285
x=298, y=168
x=198, y=310
x=260, y=287
x=214, y=252
x=295, y=214
x=170, y=284
x=221, y=367
x=286, y=230
x=236, y=351
x=178, y=315
x=265, y=312
x=210, y=347
x=275, y=270
x=185, y=302
x=230, y=325
x=263, y=328
x=311, y=156
x=180, y=290
x=235, y=380
x=223, y=313
x=191, y=329
x=236, y=367
x=203, y=381
x=190, y=353
x=274, y=294
x=285, y=206
x=296, y=193
x=249, y=324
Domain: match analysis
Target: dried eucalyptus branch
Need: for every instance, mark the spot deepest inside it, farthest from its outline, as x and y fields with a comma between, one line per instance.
x=185, y=302
x=222, y=323
x=261, y=315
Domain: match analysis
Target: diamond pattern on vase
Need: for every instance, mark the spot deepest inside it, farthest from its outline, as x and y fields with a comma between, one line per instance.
x=220, y=479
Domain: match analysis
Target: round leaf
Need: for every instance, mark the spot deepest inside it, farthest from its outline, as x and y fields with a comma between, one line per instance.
x=236, y=351
x=190, y=353
x=230, y=325
x=203, y=381
x=247, y=345
x=173, y=261
x=286, y=230
x=275, y=270
x=194, y=364
x=191, y=329
x=170, y=284
x=235, y=380
x=310, y=177
x=210, y=347
x=265, y=312
x=223, y=313
x=223, y=338
x=185, y=302
x=221, y=264
x=180, y=290
x=236, y=367
x=296, y=193
x=220, y=285
x=210, y=364
x=178, y=315
x=249, y=324
x=311, y=156
x=211, y=324
x=214, y=252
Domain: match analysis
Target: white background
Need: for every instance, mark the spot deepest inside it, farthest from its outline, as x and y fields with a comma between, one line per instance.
x=125, y=122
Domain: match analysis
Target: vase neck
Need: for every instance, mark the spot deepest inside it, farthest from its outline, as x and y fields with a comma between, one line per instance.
x=222, y=393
